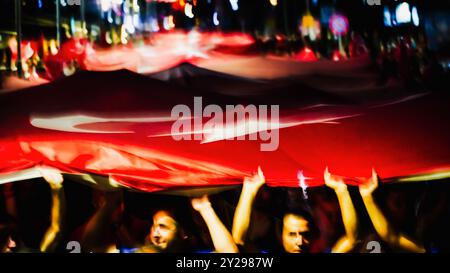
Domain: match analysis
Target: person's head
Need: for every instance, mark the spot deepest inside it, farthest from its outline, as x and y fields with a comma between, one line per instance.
x=296, y=233
x=165, y=232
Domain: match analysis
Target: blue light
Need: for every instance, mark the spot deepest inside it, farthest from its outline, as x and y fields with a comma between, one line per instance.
x=415, y=16
x=215, y=19
x=40, y=4
x=387, y=17
x=234, y=5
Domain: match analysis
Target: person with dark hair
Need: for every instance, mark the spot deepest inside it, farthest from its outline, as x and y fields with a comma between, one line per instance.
x=168, y=235
x=167, y=232
x=297, y=231
x=298, y=227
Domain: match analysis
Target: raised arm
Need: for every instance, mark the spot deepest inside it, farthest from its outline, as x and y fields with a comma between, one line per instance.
x=221, y=237
x=53, y=234
x=94, y=236
x=241, y=220
x=379, y=221
x=347, y=242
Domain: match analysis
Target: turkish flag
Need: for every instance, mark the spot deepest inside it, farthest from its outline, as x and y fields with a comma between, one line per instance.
x=120, y=124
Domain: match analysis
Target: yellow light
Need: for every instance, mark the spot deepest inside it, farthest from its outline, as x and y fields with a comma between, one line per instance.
x=427, y=177
x=53, y=47
x=274, y=2
x=307, y=21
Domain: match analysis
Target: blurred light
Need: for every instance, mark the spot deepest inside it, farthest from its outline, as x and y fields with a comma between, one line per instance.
x=302, y=184
x=310, y=27
x=129, y=26
x=234, y=4
x=53, y=47
x=402, y=13
x=63, y=3
x=108, y=38
x=215, y=19
x=306, y=55
x=168, y=23
x=307, y=21
x=387, y=17
x=110, y=19
x=415, y=16
x=136, y=21
x=28, y=51
x=274, y=2
x=123, y=36
x=338, y=24
x=337, y=56
x=154, y=26
x=188, y=10
x=427, y=177
x=105, y=5
x=40, y=4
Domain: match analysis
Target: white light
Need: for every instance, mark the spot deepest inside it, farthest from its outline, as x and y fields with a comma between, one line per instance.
x=154, y=26
x=110, y=19
x=105, y=5
x=129, y=26
x=415, y=16
x=168, y=23
x=234, y=4
x=302, y=184
x=274, y=2
x=123, y=36
x=136, y=21
x=402, y=13
x=188, y=10
x=215, y=19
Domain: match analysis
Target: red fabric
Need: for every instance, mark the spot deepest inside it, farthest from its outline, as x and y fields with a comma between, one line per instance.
x=398, y=140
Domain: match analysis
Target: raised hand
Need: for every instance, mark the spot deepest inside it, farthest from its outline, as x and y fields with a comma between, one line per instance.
x=53, y=177
x=255, y=182
x=201, y=203
x=334, y=182
x=370, y=185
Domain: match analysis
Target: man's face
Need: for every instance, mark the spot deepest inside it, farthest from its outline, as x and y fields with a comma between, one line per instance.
x=164, y=230
x=295, y=234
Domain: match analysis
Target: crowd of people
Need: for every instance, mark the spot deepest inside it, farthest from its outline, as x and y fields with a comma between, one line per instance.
x=253, y=218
